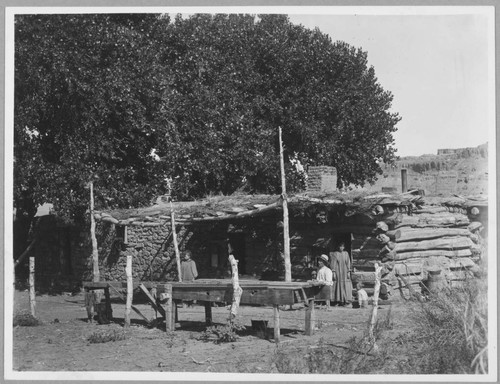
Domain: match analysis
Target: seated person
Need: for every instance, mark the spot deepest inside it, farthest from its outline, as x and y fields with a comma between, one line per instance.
x=325, y=275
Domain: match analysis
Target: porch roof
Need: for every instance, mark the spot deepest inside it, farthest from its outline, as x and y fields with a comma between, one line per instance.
x=238, y=206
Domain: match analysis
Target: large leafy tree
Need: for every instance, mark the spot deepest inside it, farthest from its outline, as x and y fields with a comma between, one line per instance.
x=96, y=94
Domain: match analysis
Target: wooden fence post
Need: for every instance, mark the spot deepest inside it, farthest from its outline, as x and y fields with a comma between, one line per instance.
x=373, y=319
x=310, y=318
x=237, y=291
x=130, y=290
x=32, y=287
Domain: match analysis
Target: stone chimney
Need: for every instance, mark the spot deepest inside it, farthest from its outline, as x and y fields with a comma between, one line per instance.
x=321, y=179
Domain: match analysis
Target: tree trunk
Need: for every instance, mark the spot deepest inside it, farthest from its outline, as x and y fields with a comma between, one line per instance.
x=286, y=234
x=95, y=255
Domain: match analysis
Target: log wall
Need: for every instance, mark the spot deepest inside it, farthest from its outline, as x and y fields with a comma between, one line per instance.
x=430, y=238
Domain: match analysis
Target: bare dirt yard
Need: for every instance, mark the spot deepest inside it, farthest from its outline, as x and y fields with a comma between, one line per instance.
x=61, y=341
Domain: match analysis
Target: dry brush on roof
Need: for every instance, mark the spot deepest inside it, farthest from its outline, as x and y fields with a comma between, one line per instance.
x=240, y=206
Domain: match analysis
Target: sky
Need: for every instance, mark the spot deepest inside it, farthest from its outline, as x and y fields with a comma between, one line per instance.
x=438, y=68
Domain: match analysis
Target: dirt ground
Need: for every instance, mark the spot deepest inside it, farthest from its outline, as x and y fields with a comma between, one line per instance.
x=61, y=343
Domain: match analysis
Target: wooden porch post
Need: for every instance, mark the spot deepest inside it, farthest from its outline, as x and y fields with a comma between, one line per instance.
x=32, y=287
x=286, y=235
x=130, y=290
x=95, y=255
x=174, y=238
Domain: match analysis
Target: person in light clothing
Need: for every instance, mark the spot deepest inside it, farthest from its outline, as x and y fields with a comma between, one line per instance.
x=341, y=267
x=325, y=275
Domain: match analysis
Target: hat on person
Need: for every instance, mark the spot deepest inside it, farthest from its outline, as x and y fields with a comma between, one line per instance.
x=324, y=258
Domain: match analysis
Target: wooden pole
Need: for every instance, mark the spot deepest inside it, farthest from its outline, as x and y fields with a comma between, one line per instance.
x=174, y=238
x=32, y=287
x=237, y=291
x=95, y=255
x=286, y=230
x=310, y=318
x=130, y=290
x=373, y=319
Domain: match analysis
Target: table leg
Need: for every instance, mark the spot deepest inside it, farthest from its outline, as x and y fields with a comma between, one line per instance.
x=175, y=315
x=310, y=318
x=169, y=320
x=109, y=309
x=276, y=323
x=208, y=313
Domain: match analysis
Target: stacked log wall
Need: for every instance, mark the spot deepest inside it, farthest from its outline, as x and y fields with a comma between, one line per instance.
x=431, y=238
x=436, y=238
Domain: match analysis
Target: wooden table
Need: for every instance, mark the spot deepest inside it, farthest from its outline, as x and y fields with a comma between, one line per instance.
x=255, y=292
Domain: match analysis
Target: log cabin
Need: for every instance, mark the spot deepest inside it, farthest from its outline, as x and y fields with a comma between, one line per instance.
x=412, y=236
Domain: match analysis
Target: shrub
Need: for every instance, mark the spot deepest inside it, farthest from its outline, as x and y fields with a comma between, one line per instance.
x=454, y=330
x=358, y=357
x=106, y=336
x=25, y=319
x=222, y=333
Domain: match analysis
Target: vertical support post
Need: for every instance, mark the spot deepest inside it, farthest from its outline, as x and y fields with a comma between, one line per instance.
x=175, y=315
x=130, y=290
x=276, y=323
x=286, y=229
x=174, y=238
x=208, y=313
x=95, y=255
x=109, y=309
x=373, y=319
x=404, y=181
x=32, y=287
x=310, y=318
x=237, y=290
x=169, y=321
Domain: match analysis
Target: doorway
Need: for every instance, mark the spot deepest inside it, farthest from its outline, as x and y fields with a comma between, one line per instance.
x=345, y=238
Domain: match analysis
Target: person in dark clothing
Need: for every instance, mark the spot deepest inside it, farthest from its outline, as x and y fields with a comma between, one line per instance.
x=188, y=268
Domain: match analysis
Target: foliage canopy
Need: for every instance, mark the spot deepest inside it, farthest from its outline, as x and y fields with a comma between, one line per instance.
x=130, y=100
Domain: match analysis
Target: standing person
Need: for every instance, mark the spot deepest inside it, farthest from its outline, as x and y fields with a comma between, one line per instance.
x=188, y=273
x=341, y=267
x=188, y=268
